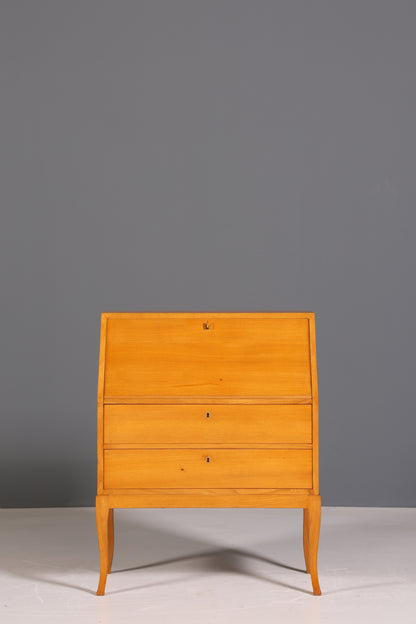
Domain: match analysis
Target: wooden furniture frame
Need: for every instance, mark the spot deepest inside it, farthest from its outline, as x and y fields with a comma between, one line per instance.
x=207, y=409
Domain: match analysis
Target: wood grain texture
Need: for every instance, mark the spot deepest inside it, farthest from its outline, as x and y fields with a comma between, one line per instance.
x=177, y=356
x=207, y=314
x=314, y=509
x=254, y=373
x=207, y=468
x=192, y=424
x=214, y=400
x=158, y=445
x=306, y=538
x=100, y=406
x=315, y=404
x=110, y=538
x=208, y=498
x=102, y=511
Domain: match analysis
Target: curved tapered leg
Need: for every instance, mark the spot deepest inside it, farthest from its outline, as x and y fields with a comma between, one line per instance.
x=314, y=529
x=102, y=512
x=110, y=538
x=306, y=538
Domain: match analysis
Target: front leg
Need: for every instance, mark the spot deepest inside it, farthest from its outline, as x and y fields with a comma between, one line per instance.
x=102, y=514
x=306, y=538
x=314, y=530
x=110, y=538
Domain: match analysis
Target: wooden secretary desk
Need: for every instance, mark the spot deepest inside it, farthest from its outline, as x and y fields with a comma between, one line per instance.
x=212, y=409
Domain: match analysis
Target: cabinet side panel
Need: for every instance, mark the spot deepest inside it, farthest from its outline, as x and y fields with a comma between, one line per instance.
x=315, y=405
x=100, y=406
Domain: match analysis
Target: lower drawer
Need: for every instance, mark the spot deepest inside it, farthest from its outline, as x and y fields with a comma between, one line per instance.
x=207, y=468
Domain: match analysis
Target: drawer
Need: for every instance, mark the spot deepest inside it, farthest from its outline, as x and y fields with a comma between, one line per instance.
x=178, y=356
x=207, y=424
x=207, y=468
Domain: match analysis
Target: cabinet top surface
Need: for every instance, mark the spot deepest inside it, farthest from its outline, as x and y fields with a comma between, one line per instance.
x=282, y=314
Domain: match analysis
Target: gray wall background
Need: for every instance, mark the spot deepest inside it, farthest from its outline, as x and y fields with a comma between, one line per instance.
x=221, y=155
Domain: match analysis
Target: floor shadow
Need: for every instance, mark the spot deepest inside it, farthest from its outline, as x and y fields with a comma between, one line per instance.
x=43, y=547
x=214, y=553
x=229, y=561
x=58, y=546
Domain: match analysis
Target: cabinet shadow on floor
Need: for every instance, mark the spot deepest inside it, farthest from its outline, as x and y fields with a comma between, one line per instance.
x=54, y=546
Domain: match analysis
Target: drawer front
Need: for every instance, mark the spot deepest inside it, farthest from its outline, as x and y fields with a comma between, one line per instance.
x=207, y=468
x=207, y=424
x=179, y=356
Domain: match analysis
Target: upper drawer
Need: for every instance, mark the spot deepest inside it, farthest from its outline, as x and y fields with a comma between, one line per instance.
x=177, y=355
x=190, y=424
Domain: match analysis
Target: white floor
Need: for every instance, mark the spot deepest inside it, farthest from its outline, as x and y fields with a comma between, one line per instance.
x=208, y=566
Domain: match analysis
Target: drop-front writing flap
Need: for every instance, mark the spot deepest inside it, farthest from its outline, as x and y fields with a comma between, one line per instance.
x=206, y=355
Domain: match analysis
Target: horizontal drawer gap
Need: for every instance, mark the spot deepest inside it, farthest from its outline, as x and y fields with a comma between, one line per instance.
x=257, y=400
x=226, y=445
x=207, y=491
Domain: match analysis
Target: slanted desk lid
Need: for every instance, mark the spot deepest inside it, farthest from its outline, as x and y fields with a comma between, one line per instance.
x=206, y=354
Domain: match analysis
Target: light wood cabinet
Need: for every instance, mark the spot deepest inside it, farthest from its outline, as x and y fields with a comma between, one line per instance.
x=216, y=409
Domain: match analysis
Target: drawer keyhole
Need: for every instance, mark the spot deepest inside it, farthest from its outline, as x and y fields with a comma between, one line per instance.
x=207, y=414
x=208, y=460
